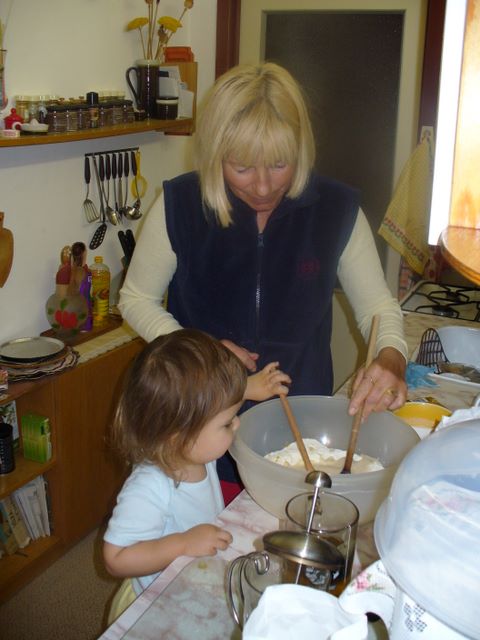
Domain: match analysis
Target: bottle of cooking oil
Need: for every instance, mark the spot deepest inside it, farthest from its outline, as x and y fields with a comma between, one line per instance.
x=100, y=291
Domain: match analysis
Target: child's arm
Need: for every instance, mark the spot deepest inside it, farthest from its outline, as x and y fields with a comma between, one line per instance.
x=151, y=556
x=268, y=382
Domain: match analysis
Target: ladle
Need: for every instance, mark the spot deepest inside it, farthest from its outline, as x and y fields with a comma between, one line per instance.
x=127, y=210
x=357, y=419
x=138, y=203
x=296, y=433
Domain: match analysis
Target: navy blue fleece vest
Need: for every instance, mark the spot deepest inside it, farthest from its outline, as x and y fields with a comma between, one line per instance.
x=271, y=292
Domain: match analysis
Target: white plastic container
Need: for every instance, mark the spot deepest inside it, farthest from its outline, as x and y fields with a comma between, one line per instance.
x=428, y=529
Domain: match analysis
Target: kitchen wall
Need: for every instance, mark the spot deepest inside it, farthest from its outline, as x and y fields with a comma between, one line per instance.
x=69, y=47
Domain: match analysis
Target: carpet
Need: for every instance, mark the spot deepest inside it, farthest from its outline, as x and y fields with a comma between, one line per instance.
x=68, y=601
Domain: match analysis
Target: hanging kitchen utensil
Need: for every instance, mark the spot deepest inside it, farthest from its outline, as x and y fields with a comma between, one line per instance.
x=358, y=416
x=120, y=193
x=136, y=213
x=127, y=210
x=125, y=248
x=6, y=251
x=139, y=186
x=99, y=234
x=114, y=182
x=111, y=213
x=91, y=211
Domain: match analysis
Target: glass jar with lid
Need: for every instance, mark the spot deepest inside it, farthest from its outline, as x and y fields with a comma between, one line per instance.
x=21, y=105
x=71, y=117
x=33, y=104
x=56, y=119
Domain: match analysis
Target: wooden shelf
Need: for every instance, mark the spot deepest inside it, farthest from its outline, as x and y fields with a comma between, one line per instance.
x=25, y=470
x=461, y=249
x=180, y=126
x=32, y=559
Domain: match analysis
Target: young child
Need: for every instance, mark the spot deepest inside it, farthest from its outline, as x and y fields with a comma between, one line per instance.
x=176, y=416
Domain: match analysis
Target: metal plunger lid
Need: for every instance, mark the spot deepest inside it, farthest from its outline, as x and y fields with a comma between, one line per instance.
x=304, y=548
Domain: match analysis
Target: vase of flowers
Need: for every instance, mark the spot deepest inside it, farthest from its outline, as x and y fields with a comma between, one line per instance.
x=155, y=33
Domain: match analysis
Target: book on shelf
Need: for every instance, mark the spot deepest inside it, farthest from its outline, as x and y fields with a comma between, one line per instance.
x=13, y=515
x=8, y=542
x=32, y=501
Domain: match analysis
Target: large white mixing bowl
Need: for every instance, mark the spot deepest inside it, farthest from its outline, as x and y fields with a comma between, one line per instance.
x=264, y=428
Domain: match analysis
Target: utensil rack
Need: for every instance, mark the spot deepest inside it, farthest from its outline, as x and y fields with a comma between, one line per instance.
x=102, y=153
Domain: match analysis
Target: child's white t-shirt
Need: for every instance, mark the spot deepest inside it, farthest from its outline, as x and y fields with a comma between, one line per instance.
x=149, y=506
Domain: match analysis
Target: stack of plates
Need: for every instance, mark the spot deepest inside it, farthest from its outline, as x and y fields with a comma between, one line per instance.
x=33, y=358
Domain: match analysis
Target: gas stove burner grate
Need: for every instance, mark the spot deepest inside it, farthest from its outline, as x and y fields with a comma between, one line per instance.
x=449, y=301
x=439, y=310
x=448, y=296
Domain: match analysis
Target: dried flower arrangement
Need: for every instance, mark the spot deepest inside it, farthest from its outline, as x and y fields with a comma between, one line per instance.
x=156, y=39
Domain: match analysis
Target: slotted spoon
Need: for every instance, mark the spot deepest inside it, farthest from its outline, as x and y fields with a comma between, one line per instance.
x=91, y=211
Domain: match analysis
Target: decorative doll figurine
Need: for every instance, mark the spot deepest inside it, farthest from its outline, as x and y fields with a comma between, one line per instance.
x=81, y=279
x=67, y=309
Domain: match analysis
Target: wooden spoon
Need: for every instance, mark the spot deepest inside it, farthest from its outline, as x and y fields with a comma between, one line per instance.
x=296, y=433
x=357, y=419
x=6, y=251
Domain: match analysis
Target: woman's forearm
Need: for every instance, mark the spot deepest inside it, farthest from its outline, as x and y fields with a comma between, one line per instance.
x=152, y=267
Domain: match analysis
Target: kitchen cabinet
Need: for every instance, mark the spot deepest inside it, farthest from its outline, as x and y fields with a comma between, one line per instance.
x=181, y=126
x=84, y=474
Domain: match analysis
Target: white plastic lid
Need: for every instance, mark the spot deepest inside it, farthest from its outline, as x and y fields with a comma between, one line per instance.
x=428, y=529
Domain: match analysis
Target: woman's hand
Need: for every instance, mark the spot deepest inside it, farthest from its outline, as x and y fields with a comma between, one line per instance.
x=248, y=358
x=205, y=540
x=382, y=386
x=268, y=382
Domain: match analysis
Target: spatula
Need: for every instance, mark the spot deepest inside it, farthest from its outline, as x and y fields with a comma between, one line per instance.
x=357, y=419
x=6, y=251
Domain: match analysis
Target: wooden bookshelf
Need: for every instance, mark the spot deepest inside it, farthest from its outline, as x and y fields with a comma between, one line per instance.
x=84, y=475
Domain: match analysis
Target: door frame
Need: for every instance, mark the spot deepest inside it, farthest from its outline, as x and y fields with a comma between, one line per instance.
x=228, y=45
x=227, y=56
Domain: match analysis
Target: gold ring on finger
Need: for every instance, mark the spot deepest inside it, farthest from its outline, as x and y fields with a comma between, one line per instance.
x=392, y=392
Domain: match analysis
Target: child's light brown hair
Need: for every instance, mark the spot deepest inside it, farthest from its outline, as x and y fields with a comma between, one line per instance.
x=174, y=386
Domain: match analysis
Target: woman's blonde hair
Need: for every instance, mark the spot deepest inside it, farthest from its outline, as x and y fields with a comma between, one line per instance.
x=252, y=114
x=177, y=384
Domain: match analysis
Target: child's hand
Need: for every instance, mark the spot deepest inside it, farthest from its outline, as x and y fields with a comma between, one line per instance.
x=205, y=540
x=268, y=382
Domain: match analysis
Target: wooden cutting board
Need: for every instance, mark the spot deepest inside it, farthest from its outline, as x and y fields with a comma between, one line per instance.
x=6, y=251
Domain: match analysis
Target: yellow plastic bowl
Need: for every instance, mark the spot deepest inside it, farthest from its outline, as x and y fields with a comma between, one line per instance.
x=422, y=416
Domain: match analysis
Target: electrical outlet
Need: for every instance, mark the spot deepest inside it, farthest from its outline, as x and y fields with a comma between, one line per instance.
x=427, y=131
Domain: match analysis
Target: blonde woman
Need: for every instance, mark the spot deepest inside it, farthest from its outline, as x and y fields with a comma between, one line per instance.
x=251, y=244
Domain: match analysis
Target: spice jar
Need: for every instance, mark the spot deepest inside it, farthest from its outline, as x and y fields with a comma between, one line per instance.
x=117, y=112
x=83, y=121
x=105, y=114
x=32, y=105
x=92, y=101
x=71, y=118
x=128, y=111
x=56, y=119
x=21, y=106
